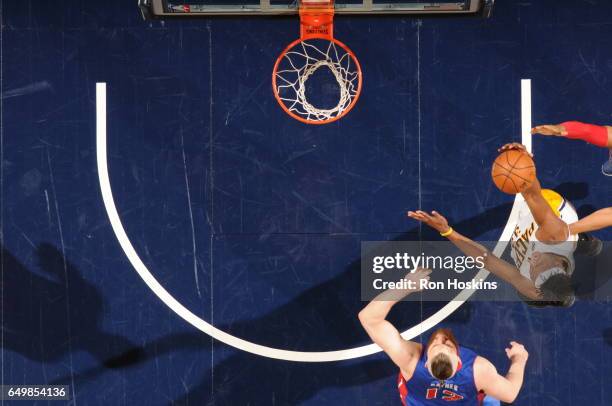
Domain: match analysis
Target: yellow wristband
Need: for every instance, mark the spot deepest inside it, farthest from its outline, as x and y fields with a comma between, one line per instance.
x=447, y=233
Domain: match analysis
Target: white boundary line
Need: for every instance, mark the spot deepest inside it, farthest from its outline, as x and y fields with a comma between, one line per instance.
x=277, y=353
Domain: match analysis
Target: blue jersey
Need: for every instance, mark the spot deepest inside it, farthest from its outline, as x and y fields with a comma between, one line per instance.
x=425, y=390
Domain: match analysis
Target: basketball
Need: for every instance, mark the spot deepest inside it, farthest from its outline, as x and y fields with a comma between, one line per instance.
x=513, y=171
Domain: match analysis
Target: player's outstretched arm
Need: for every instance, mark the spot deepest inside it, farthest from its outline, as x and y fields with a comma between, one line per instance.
x=504, y=388
x=550, y=227
x=373, y=318
x=593, y=134
x=493, y=264
x=593, y=222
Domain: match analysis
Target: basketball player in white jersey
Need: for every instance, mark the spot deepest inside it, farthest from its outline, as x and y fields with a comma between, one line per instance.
x=543, y=242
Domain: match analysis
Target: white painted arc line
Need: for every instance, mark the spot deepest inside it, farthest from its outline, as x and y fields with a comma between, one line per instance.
x=135, y=260
x=187, y=315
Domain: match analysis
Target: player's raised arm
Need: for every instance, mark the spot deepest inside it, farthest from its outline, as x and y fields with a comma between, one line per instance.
x=505, y=388
x=550, y=227
x=471, y=248
x=593, y=134
x=373, y=317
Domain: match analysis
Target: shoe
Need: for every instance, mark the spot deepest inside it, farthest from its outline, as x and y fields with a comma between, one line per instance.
x=606, y=168
x=588, y=245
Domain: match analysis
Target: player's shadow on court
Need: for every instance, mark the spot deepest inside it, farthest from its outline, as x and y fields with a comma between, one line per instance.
x=51, y=310
x=330, y=309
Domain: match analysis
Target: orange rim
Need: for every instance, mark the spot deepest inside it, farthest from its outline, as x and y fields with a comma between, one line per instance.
x=329, y=120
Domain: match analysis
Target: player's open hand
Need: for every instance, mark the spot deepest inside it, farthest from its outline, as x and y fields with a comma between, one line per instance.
x=421, y=274
x=516, y=146
x=550, y=129
x=517, y=352
x=434, y=220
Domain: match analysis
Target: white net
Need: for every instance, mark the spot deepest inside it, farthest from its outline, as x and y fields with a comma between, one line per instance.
x=300, y=63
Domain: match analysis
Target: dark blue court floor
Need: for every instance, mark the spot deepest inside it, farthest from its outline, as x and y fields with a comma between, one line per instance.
x=252, y=220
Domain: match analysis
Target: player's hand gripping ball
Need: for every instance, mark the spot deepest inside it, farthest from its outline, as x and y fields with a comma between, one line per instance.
x=513, y=170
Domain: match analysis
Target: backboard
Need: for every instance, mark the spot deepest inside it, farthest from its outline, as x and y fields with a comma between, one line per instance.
x=152, y=9
x=316, y=56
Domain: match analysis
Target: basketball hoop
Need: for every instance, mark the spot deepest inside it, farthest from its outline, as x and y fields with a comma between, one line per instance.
x=314, y=52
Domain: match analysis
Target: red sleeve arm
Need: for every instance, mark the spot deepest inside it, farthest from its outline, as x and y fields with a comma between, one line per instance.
x=593, y=134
